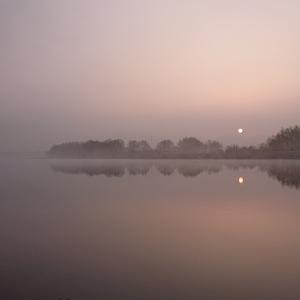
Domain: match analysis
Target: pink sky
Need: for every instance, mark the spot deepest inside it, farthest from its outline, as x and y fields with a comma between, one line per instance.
x=75, y=70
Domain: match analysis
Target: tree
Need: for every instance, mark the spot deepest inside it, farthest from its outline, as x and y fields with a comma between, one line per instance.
x=214, y=146
x=132, y=146
x=287, y=139
x=191, y=145
x=138, y=146
x=165, y=146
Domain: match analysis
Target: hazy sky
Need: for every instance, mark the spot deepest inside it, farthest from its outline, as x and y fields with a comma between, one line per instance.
x=82, y=69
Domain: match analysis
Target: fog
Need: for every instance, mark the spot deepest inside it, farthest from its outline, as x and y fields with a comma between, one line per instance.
x=79, y=70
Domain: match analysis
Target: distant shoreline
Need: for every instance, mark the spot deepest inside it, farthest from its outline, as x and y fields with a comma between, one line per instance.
x=168, y=158
x=45, y=155
x=25, y=154
x=284, y=145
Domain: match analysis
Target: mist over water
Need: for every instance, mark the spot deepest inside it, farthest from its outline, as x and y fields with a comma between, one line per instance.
x=149, y=229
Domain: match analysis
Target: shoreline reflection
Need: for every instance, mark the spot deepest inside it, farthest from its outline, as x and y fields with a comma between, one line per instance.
x=287, y=173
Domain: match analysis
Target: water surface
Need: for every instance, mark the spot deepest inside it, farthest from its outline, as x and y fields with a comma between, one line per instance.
x=169, y=229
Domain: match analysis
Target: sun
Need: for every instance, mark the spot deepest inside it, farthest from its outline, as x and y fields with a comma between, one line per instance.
x=240, y=130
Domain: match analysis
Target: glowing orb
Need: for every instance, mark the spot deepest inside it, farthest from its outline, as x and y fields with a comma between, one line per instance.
x=240, y=130
x=241, y=180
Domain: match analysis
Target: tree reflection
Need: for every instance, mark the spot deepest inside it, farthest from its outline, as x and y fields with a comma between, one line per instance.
x=133, y=168
x=165, y=169
x=287, y=172
x=287, y=175
x=190, y=170
x=138, y=169
x=106, y=170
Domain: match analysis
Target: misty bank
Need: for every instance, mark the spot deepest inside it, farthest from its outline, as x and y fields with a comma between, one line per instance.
x=285, y=144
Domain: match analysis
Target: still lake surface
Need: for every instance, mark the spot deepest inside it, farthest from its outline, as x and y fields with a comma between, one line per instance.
x=149, y=229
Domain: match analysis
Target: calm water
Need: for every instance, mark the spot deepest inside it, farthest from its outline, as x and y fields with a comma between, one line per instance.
x=101, y=229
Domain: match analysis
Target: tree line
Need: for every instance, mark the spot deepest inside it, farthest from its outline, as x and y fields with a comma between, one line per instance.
x=285, y=144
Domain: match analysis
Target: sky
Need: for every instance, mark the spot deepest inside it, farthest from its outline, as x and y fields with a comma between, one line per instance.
x=147, y=69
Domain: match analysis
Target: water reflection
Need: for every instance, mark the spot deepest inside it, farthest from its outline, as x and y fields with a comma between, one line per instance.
x=241, y=180
x=285, y=172
x=165, y=169
x=133, y=168
x=287, y=175
x=138, y=169
x=149, y=229
x=91, y=170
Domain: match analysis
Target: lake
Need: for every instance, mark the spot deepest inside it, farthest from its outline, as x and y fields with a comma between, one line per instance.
x=149, y=229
